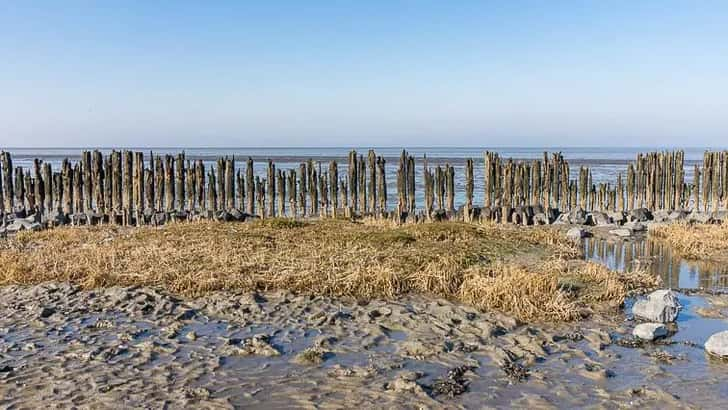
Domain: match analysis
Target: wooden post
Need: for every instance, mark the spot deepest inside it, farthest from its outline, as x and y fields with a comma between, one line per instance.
x=302, y=185
x=100, y=181
x=191, y=185
x=313, y=187
x=212, y=192
x=230, y=183
x=67, y=187
x=429, y=191
x=250, y=181
x=696, y=188
x=169, y=182
x=467, y=210
x=281, y=186
x=411, y=184
x=353, y=170
x=334, y=186
x=401, y=185
x=440, y=187
x=372, y=159
x=362, y=184
x=7, y=181
x=87, y=184
x=220, y=178
x=241, y=190
x=382, y=183
x=292, y=194
x=323, y=192
x=47, y=186
x=487, y=180
x=450, y=187
x=620, y=193
x=201, y=173
x=179, y=192
x=271, y=178
x=77, y=189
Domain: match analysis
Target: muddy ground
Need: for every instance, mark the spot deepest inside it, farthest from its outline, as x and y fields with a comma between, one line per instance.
x=137, y=347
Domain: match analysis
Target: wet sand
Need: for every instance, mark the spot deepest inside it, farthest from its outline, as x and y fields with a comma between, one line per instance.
x=137, y=347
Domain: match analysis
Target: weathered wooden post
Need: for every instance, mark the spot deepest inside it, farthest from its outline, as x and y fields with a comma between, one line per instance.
x=468, y=209
x=7, y=176
x=334, y=186
x=212, y=192
x=429, y=191
x=450, y=186
x=302, y=185
x=372, y=160
x=382, y=183
x=362, y=184
x=352, y=171
x=411, y=184
x=696, y=188
x=230, y=183
x=250, y=187
x=313, y=187
x=271, y=178
x=292, y=194
x=440, y=187
x=241, y=190
x=281, y=186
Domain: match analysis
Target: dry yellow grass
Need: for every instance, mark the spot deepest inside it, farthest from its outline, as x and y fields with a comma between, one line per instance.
x=551, y=291
x=487, y=265
x=694, y=241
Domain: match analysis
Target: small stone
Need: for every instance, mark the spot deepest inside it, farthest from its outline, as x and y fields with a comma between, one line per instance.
x=650, y=331
x=46, y=312
x=717, y=344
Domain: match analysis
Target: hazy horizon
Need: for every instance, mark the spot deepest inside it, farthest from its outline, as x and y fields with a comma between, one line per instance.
x=380, y=74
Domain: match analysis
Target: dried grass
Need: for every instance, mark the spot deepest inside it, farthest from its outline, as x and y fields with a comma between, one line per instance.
x=694, y=241
x=485, y=265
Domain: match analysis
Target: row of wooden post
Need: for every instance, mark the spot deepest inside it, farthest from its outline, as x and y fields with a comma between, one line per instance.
x=121, y=185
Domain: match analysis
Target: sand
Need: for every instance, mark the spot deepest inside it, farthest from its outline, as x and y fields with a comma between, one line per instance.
x=138, y=347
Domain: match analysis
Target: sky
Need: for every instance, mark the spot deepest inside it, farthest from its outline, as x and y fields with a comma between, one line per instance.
x=363, y=73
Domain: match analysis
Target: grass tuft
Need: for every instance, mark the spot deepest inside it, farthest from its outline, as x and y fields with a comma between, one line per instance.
x=694, y=241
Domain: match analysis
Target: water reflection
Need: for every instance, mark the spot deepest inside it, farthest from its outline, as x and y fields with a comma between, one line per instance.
x=659, y=259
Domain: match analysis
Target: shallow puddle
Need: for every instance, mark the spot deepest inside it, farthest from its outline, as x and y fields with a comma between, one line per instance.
x=658, y=258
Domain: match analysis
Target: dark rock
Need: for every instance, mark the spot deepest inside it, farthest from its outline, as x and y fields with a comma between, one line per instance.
x=640, y=215
x=600, y=218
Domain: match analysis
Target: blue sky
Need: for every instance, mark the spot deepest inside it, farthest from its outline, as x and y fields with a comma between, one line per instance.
x=380, y=73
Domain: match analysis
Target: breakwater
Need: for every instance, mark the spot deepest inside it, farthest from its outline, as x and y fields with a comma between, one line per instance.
x=138, y=188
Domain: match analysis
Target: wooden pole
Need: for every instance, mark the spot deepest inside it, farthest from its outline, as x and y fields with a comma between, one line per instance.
x=468, y=209
x=382, y=183
x=372, y=160
x=250, y=181
x=334, y=186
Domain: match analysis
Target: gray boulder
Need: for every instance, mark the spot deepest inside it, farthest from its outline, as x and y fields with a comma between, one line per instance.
x=540, y=219
x=659, y=306
x=635, y=226
x=621, y=232
x=600, y=218
x=640, y=215
x=576, y=233
x=717, y=344
x=576, y=216
x=700, y=217
x=649, y=331
x=618, y=217
x=677, y=215
x=660, y=215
